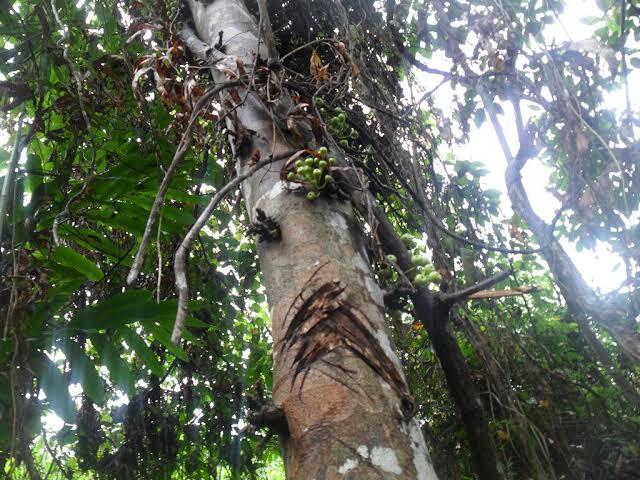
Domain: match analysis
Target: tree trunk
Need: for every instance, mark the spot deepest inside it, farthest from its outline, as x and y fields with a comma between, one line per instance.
x=434, y=315
x=336, y=376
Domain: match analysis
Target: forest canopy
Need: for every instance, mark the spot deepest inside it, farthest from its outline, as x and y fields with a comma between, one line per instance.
x=452, y=218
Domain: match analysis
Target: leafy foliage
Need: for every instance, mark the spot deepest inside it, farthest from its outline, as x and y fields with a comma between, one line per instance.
x=106, y=89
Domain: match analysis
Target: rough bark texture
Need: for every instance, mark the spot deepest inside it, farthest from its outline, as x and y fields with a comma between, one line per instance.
x=336, y=376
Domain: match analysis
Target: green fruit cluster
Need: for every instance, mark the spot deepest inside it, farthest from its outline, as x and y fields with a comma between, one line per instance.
x=337, y=126
x=427, y=274
x=314, y=171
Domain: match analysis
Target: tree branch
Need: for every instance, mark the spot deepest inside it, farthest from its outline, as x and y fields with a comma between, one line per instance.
x=513, y=292
x=581, y=299
x=208, y=54
x=267, y=34
x=183, y=147
x=11, y=172
x=179, y=267
x=483, y=285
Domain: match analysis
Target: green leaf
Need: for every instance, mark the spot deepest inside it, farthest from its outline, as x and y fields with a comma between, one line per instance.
x=122, y=309
x=142, y=350
x=83, y=371
x=164, y=337
x=56, y=389
x=111, y=358
x=66, y=436
x=70, y=258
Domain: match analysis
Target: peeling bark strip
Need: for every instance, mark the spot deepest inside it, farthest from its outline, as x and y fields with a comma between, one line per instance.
x=326, y=322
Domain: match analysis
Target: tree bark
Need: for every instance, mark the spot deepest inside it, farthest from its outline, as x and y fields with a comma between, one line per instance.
x=336, y=376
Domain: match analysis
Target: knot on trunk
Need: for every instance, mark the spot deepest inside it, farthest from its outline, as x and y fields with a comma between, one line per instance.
x=265, y=227
x=270, y=416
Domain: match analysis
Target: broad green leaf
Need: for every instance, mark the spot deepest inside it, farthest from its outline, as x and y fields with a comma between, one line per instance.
x=83, y=370
x=142, y=350
x=111, y=358
x=66, y=436
x=122, y=309
x=56, y=389
x=70, y=258
x=164, y=337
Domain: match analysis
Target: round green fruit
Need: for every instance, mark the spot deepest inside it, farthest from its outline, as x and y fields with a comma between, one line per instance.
x=421, y=280
x=408, y=240
x=312, y=195
x=309, y=161
x=291, y=176
x=434, y=277
x=419, y=260
x=392, y=258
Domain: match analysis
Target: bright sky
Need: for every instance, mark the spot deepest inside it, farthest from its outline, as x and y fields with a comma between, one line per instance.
x=601, y=268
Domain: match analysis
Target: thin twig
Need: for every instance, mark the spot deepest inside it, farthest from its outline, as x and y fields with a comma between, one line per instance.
x=66, y=210
x=437, y=223
x=180, y=261
x=13, y=297
x=77, y=78
x=483, y=285
x=9, y=178
x=511, y=292
x=74, y=73
x=183, y=147
x=158, y=247
x=306, y=45
x=54, y=457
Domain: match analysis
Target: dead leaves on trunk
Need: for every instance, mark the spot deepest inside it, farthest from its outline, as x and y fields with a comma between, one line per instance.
x=319, y=71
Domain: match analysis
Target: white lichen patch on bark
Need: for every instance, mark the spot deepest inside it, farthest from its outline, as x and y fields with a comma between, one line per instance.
x=350, y=464
x=421, y=460
x=359, y=261
x=385, y=385
x=270, y=195
x=337, y=221
x=386, y=459
x=385, y=344
x=375, y=291
x=181, y=280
